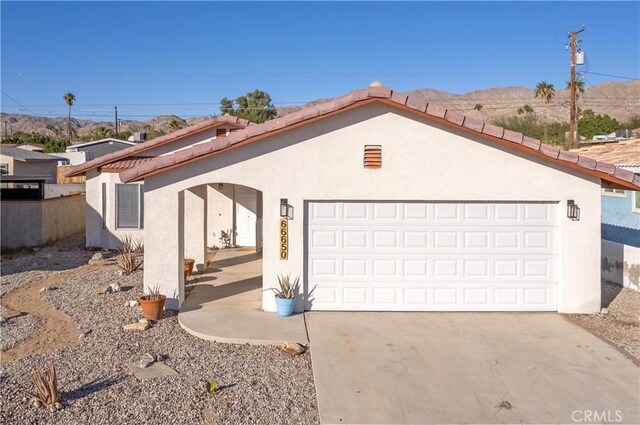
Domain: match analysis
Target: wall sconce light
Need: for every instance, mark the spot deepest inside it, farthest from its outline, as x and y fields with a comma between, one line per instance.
x=286, y=210
x=220, y=186
x=573, y=210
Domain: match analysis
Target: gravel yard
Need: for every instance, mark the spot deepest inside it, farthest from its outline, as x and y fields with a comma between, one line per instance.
x=258, y=384
x=15, y=328
x=621, y=325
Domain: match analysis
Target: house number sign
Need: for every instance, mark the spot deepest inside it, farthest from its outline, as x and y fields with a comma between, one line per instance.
x=284, y=239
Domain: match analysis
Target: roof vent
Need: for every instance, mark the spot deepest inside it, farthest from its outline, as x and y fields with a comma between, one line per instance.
x=376, y=83
x=373, y=156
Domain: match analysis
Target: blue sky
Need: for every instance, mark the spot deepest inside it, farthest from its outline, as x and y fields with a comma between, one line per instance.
x=153, y=58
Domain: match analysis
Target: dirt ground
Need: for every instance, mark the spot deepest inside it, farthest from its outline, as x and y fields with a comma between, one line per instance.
x=620, y=326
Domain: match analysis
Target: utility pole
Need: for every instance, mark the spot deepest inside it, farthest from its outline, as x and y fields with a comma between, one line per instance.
x=116, y=122
x=573, y=124
x=5, y=130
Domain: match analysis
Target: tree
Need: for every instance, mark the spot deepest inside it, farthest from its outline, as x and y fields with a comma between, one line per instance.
x=69, y=98
x=545, y=91
x=591, y=124
x=174, y=124
x=478, y=107
x=526, y=109
x=101, y=132
x=255, y=106
x=579, y=88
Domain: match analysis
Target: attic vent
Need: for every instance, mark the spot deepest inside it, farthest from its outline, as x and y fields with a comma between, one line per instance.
x=373, y=156
x=221, y=132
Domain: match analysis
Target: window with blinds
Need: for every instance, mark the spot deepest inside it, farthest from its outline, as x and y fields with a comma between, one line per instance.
x=129, y=206
x=104, y=205
x=373, y=156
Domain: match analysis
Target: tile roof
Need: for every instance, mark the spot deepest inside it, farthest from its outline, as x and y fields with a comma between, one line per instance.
x=626, y=152
x=124, y=164
x=158, y=141
x=610, y=175
x=25, y=155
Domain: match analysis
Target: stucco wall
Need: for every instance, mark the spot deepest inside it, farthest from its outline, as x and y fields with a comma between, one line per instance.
x=107, y=236
x=34, y=223
x=20, y=168
x=220, y=208
x=421, y=161
x=621, y=264
x=620, y=223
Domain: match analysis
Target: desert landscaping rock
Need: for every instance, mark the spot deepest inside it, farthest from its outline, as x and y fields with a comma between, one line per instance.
x=138, y=326
x=294, y=348
x=260, y=385
x=132, y=303
x=97, y=257
x=619, y=322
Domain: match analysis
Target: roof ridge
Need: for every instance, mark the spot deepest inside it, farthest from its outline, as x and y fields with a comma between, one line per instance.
x=433, y=111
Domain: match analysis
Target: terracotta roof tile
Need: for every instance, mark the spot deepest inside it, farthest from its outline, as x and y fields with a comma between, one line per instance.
x=625, y=152
x=417, y=104
x=587, y=163
x=615, y=175
x=436, y=110
x=568, y=156
x=493, y=130
x=454, y=117
x=605, y=167
x=125, y=164
x=472, y=124
x=550, y=151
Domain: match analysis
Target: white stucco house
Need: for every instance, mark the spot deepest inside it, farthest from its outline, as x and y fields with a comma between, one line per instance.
x=390, y=204
x=116, y=208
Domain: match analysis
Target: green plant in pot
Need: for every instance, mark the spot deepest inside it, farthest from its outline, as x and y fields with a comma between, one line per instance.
x=152, y=303
x=286, y=295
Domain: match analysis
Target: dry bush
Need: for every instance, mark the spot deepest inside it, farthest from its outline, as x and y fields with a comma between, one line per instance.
x=128, y=258
x=46, y=392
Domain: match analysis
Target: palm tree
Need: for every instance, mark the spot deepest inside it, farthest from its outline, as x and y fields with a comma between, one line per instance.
x=174, y=124
x=69, y=98
x=546, y=91
x=478, y=107
x=579, y=88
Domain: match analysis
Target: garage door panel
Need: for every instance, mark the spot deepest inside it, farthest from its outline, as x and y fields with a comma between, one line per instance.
x=432, y=256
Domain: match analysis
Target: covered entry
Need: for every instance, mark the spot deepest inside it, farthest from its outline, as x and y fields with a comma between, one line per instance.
x=420, y=256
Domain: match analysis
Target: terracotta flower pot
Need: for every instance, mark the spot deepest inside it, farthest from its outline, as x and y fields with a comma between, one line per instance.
x=188, y=267
x=152, y=309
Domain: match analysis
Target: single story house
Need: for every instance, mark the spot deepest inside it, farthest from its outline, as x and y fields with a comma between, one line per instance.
x=96, y=148
x=620, y=216
x=15, y=161
x=116, y=209
x=384, y=202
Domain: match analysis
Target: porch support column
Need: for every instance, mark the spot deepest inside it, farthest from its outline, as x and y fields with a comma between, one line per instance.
x=195, y=226
x=163, y=245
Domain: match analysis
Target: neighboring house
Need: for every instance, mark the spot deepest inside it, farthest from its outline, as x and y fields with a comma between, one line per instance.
x=620, y=216
x=115, y=209
x=379, y=201
x=98, y=148
x=15, y=161
x=35, y=147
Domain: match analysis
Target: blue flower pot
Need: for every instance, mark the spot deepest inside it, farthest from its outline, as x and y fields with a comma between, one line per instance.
x=285, y=306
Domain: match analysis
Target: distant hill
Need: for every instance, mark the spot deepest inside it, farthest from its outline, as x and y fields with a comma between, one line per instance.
x=620, y=100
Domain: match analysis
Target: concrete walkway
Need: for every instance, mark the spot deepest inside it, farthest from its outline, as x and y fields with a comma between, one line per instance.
x=225, y=305
x=448, y=368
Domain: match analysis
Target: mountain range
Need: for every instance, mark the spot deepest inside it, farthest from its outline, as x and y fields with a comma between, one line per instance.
x=620, y=100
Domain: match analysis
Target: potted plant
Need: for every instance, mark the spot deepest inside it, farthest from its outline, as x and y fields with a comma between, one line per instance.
x=188, y=267
x=286, y=295
x=152, y=303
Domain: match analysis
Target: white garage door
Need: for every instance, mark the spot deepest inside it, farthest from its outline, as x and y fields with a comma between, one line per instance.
x=417, y=256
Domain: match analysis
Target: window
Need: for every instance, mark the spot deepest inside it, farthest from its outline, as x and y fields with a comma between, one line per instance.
x=129, y=206
x=104, y=205
x=373, y=156
x=635, y=202
x=4, y=168
x=614, y=192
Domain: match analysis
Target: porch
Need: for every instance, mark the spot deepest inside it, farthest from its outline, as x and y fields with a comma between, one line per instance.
x=225, y=305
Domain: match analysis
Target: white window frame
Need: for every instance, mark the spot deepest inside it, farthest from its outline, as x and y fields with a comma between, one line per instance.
x=140, y=224
x=616, y=193
x=635, y=207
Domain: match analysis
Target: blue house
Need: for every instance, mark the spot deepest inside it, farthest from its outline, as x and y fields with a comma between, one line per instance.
x=620, y=216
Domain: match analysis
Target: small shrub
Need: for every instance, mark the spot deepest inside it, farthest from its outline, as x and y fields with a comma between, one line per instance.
x=153, y=293
x=46, y=392
x=128, y=258
x=212, y=386
x=287, y=289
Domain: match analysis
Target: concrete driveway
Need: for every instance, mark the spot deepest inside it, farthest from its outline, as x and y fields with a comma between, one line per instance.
x=447, y=368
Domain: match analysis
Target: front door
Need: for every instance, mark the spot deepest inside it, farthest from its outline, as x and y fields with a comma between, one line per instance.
x=246, y=208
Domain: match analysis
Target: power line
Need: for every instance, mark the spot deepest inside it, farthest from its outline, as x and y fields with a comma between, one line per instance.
x=613, y=76
x=16, y=102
